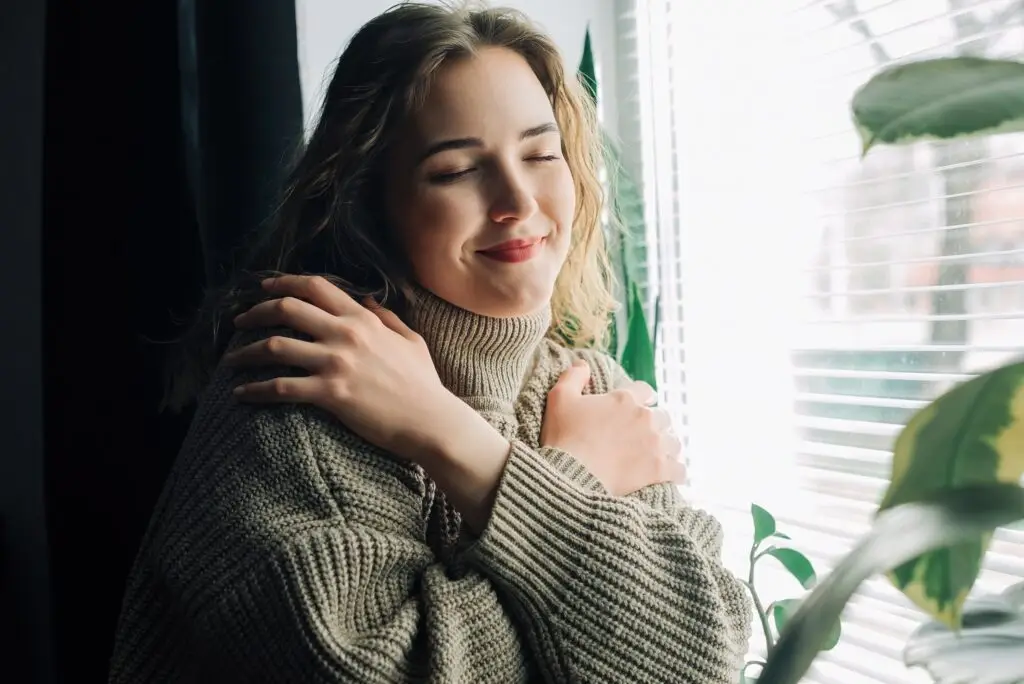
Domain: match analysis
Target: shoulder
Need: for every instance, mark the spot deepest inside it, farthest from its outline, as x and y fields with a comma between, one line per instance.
x=605, y=372
x=285, y=465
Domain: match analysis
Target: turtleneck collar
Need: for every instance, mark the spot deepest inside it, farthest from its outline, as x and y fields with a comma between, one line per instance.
x=478, y=356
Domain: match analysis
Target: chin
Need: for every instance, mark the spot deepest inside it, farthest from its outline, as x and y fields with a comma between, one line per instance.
x=497, y=302
x=521, y=307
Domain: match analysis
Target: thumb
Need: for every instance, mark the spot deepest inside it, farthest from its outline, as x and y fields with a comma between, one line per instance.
x=389, y=318
x=575, y=379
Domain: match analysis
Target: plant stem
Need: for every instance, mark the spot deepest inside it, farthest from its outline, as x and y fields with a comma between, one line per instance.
x=769, y=640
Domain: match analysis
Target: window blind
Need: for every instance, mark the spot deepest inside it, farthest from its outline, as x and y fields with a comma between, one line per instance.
x=813, y=300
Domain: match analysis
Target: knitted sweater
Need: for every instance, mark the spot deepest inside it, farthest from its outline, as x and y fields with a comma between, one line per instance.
x=286, y=549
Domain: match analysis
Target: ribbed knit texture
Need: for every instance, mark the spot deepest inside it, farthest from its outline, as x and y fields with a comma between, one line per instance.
x=286, y=549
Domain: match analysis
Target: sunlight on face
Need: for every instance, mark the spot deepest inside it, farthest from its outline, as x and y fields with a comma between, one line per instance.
x=480, y=195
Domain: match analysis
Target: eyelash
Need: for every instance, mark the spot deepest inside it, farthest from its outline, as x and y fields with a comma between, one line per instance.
x=444, y=178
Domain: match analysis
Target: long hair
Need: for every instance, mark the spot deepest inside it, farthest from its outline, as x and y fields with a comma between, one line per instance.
x=330, y=219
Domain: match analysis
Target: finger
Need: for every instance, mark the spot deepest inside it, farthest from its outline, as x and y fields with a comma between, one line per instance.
x=316, y=290
x=389, y=318
x=678, y=473
x=671, y=446
x=662, y=420
x=281, y=390
x=575, y=379
x=644, y=393
x=280, y=351
x=290, y=312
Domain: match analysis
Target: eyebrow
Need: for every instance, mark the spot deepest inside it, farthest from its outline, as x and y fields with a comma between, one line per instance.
x=463, y=143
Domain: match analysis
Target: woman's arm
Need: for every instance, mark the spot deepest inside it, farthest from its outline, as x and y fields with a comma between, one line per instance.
x=286, y=549
x=579, y=566
x=612, y=589
x=623, y=592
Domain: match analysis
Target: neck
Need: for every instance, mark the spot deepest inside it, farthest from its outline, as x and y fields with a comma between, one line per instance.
x=478, y=356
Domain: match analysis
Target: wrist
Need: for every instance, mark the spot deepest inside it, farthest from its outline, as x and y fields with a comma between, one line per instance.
x=466, y=457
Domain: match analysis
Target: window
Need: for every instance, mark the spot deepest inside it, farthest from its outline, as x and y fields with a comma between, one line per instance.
x=811, y=299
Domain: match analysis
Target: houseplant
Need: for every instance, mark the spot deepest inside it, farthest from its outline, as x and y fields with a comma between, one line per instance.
x=631, y=342
x=958, y=463
x=769, y=542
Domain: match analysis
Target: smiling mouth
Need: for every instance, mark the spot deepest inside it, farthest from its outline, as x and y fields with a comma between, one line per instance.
x=514, y=251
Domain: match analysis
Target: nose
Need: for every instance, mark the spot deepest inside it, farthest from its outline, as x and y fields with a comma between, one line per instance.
x=513, y=200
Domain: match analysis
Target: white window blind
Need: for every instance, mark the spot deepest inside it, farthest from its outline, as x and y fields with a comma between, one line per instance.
x=812, y=300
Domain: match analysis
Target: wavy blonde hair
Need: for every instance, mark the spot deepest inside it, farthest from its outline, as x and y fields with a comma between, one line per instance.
x=330, y=220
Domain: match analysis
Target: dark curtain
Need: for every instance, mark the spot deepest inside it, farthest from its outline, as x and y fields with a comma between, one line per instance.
x=167, y=125
x=25, y=653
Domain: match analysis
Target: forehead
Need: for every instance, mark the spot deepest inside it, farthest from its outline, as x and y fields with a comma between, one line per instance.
x=492, y=93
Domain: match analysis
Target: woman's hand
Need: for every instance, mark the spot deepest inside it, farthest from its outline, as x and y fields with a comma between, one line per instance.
x=366, y=367
x=375, y=375
x=623, y=442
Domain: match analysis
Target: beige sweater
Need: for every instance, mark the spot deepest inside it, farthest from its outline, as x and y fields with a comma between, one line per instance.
x=285, y=549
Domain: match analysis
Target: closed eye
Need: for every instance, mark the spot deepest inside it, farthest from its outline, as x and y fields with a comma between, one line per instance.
x=451, y=177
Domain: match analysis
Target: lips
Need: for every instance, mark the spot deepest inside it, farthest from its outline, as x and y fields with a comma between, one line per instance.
x=514, y=251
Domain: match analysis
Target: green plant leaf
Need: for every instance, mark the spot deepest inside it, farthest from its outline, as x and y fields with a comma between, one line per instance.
x=587, y=71
x=657, y=318
x=626, y=235
x=780, y=535
x=764, y=523
x=638, y=354
x=750, y=679
x=940, y=98
x=783, y=609
x=780, y=611
x=992, y=633
x=628, y=207
x=907, y=531
x=796, y=563
x=613, y=337
x=973, y=434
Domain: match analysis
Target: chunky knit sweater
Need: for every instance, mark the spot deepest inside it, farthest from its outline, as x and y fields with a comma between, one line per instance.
x=286, y=549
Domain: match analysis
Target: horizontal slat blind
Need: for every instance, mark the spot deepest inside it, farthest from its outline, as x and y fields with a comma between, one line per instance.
x=826, y=297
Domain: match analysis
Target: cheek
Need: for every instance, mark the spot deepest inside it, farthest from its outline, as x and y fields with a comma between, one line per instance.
x=435, y=224
x=559, y=202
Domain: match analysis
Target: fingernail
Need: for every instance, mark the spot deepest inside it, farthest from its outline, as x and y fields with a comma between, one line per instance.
x=238, y=390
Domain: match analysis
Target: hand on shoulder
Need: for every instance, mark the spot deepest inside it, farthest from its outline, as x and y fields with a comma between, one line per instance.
x=619, y=436
x=366, y=367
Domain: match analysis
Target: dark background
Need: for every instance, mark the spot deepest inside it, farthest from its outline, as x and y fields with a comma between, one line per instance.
x=139, y=143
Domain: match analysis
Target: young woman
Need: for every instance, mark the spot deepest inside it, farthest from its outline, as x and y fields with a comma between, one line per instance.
x=456, y=487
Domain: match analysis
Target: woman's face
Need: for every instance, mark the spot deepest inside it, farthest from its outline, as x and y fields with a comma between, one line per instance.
x=479, y=193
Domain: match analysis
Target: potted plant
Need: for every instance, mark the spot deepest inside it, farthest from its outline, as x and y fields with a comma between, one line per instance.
x=769, y=542
x=957, y=465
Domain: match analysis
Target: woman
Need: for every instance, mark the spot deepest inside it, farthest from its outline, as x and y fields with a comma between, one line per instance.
x=448, y=491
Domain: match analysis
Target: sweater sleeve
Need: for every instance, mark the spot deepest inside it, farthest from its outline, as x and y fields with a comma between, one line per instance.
x=349, y=603
x=285, y=549
x=613, y=589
